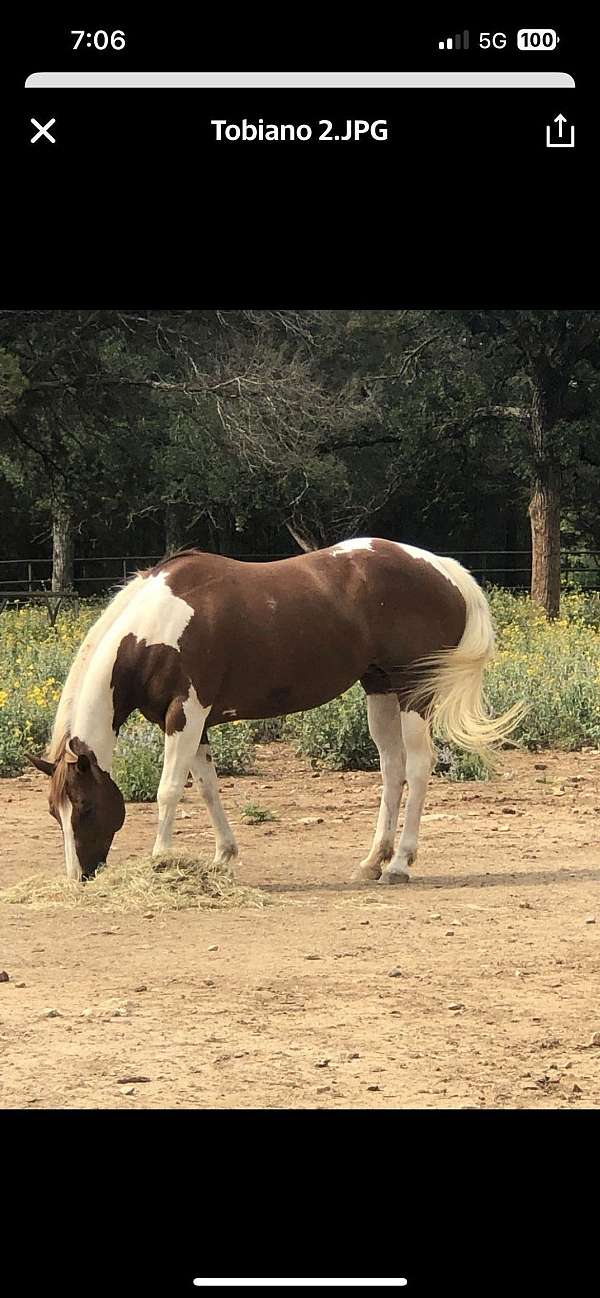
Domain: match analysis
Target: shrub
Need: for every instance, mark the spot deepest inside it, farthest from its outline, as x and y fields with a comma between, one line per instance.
x=13, y=745
x=257, y=815
x=25, y=726
x=267, y=730
x=554, y=667
x=337, y=734
x=138, y=760
x=34, y=661
x=454, y=764
x=232, y=748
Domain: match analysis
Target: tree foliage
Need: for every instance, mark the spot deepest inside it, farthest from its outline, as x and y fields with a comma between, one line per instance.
x=249, y=431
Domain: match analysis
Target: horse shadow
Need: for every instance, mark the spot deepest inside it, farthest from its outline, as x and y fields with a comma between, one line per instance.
x=425, y=883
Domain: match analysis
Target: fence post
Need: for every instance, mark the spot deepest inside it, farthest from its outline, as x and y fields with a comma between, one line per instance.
x=29, y=576
x=124, y=572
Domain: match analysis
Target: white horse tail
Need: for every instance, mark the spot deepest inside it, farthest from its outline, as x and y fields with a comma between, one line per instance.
x=450, y=688
x=62, y=720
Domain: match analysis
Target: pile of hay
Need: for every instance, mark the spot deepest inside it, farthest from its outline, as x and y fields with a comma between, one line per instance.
x=141, y=883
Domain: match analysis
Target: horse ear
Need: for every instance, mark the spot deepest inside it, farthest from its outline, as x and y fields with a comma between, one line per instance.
x=40, y=763
x=83, y=763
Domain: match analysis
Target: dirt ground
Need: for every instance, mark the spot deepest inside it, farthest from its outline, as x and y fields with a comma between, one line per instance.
x=478, y=985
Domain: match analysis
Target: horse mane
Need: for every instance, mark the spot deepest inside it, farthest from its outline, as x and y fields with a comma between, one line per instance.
x=61, y=729
x=59, y=778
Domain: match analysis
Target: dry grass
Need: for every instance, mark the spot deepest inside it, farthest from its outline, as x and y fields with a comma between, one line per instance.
x=141, y=883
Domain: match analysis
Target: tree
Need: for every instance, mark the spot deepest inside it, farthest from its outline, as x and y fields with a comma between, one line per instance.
x=541, y=360
x=250, y=430
x=67, y=435
x=190, y=415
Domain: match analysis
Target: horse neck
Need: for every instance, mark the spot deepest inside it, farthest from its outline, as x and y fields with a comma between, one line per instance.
x=93, y=714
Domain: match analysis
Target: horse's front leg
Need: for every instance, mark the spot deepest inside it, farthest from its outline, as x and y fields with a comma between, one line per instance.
x=203, y=770
x=181, y=747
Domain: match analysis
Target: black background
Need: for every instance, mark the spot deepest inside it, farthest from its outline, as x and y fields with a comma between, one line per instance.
x=140, y=1203
x=136, y=205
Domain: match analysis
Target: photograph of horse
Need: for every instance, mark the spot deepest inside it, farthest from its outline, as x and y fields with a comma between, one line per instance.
x=300, y=649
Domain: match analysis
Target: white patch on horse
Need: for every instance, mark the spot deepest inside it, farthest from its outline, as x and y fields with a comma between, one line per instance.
x=71, y=860
x=441, y=564
x=229, y=712
x=195, y=711
x=203, y=770
x=180, y=750
x=348, y=547
x=155, y=615
x=385, y=725
x=272, y=602
x=419, y=764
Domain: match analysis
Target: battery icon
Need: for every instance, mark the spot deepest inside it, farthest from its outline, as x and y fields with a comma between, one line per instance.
x=537, y=38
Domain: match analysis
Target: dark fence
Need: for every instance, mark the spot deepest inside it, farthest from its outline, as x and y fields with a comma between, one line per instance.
x=97, y=575
x=93, y=575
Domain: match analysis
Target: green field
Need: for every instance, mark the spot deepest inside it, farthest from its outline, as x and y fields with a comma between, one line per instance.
x=554, y=666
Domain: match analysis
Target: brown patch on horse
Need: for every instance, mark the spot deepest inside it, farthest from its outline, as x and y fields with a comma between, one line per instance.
x=364, y=614
x=175, y=717
x=151, y=678
x=279, y=698
x=401, y=681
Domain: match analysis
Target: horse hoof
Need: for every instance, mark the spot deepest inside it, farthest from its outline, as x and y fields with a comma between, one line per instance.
x=366, y=873
x=228, y=856
x=228, y=863
x=395, y=876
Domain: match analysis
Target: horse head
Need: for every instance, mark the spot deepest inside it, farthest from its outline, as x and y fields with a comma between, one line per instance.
x=86, y=803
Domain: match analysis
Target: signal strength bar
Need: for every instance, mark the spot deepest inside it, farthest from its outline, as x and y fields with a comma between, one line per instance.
x=455, y=42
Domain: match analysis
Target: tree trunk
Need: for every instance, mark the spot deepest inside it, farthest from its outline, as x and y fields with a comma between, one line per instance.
x=544, y=514
x=544, y=506
x=63, y=547
x=174, y=529
x=222, y=530
x=304, y=538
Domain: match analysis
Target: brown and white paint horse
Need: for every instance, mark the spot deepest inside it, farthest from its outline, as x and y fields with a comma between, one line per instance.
x=201, y=639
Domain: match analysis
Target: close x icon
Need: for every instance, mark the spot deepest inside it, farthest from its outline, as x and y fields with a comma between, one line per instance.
x=42, y=132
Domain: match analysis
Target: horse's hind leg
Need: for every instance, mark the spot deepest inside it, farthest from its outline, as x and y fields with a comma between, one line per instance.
x=419, y=765
x=181, y=747
x=203, y=770
x=383, y=712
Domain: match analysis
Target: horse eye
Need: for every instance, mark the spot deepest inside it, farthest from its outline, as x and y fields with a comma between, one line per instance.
x=86, y=811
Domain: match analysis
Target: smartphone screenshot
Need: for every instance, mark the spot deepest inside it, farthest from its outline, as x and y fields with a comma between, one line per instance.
x=299, y=652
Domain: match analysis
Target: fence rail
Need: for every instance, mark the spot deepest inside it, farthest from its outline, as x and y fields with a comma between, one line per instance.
x=95, y=574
